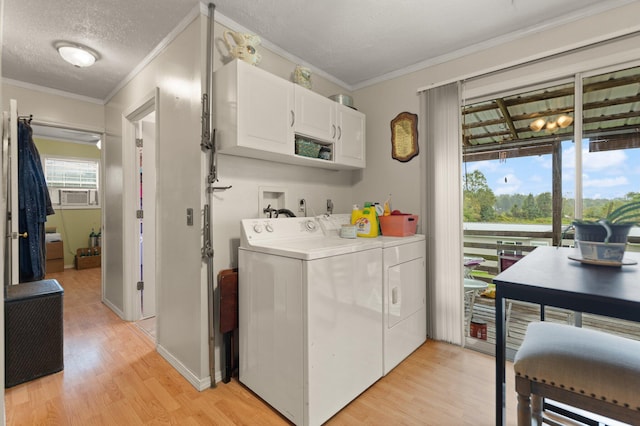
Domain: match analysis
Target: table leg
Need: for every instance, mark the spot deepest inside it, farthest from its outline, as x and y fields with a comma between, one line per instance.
x=500, y=358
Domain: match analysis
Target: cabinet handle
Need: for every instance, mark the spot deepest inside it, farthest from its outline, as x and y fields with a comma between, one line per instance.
x=293, y=117
x=394, y=296
x=339, y=132
x=333, y=127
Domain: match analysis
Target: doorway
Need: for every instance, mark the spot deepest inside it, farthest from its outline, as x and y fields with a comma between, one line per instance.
x=140, y=200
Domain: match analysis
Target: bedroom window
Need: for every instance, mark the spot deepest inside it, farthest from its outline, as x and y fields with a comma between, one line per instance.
x=71, y=172
x=72, y=182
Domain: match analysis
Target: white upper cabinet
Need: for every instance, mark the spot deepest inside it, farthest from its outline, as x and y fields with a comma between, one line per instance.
x=253, y=110
x=260, y=115
x=315, y=115
x=350, y=139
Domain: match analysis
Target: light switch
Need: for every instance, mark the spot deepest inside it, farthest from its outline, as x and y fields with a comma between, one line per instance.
x=189, y=217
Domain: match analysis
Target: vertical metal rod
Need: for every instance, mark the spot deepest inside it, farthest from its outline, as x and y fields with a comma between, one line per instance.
x=208, y=254
x=207, y=143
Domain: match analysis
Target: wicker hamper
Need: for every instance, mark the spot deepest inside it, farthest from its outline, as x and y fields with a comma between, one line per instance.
x=33, y=331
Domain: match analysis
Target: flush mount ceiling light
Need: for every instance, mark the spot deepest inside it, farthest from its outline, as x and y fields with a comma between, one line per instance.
x=76, y=54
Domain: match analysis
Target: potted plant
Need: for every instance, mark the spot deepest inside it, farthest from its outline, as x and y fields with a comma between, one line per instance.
x=605, y=239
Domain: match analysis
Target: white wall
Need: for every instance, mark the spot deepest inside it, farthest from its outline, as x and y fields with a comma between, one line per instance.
x=49, y=107
x=176, y=72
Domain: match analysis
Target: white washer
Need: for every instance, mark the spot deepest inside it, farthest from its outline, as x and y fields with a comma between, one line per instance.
x=310, y=316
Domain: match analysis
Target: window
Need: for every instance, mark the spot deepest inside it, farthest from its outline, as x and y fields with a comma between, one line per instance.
x=72, y=182
x=71, y=172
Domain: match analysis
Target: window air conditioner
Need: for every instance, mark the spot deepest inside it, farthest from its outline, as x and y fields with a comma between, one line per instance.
x=78, y=197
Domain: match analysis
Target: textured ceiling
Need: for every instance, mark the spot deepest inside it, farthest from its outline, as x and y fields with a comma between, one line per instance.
x=122, y=31
x=356, y=42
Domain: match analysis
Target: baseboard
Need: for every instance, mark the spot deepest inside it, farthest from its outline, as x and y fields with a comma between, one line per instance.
x=114, y=308
x=199, y=384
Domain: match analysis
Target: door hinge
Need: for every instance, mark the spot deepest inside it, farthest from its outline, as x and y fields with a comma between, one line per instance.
x=139, y=214
x=139, y=143
x=140, y=285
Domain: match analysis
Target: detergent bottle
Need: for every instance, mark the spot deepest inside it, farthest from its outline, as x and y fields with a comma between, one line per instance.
x=355, y=214
x=366, y=222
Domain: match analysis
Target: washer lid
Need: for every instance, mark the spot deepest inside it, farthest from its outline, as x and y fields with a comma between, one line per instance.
x=300, y=238
x=319, y=248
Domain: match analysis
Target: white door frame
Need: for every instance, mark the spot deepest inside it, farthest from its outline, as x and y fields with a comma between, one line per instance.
x=13, y=192
x=130, y=199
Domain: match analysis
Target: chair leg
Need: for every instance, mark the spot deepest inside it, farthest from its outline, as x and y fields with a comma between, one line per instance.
x=536, y=408
x=469, y=300
x=524, y=410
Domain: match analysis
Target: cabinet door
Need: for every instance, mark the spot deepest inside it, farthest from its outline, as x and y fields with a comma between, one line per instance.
x=350, y=144
x=315, y=115
x=265, y=111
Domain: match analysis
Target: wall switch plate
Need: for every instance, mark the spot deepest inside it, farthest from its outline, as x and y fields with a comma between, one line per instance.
x=189, y=216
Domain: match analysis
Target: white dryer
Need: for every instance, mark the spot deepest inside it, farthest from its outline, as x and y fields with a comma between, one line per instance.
x=404, y=297
x=404, y=291
x=310, y=316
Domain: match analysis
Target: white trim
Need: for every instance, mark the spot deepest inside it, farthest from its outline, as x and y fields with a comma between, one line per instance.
x=611, y=68
x=51, y=91
x=577, y=143
x=612, y=53
x=547, y=55
x=517, y=90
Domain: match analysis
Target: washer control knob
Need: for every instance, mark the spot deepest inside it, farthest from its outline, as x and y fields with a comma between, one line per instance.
x=268, y=227
x=257, y=228
x=310, y=225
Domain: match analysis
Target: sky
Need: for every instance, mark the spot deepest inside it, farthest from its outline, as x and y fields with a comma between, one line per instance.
x=606, y=175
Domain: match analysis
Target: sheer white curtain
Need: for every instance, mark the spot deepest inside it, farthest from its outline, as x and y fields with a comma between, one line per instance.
x=439, y=134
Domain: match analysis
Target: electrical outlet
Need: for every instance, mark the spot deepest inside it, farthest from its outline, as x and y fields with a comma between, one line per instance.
x=302, y=205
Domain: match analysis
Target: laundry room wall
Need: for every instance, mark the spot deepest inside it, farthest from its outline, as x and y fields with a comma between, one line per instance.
x=181, y=311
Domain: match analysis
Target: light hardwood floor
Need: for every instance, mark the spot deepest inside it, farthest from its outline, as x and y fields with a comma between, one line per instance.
x=113, y=376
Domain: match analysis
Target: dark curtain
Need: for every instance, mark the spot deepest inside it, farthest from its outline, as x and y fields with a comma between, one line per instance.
x=34, y=205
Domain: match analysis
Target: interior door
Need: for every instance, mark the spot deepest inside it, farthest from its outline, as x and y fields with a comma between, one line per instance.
x=146, y=188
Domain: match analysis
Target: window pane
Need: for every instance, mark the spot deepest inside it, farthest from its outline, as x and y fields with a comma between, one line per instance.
x=71, y=173
x=610, y=154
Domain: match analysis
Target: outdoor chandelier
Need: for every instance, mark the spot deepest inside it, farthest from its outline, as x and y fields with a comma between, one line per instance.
x=76, y=54
x=551, y=126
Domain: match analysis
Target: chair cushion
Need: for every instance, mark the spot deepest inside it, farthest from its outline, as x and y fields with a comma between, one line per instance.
x=588, y=362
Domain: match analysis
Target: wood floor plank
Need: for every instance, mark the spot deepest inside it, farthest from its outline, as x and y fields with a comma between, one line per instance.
x=113, y=376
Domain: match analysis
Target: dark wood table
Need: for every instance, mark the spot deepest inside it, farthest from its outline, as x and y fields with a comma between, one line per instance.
x=548, y=277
